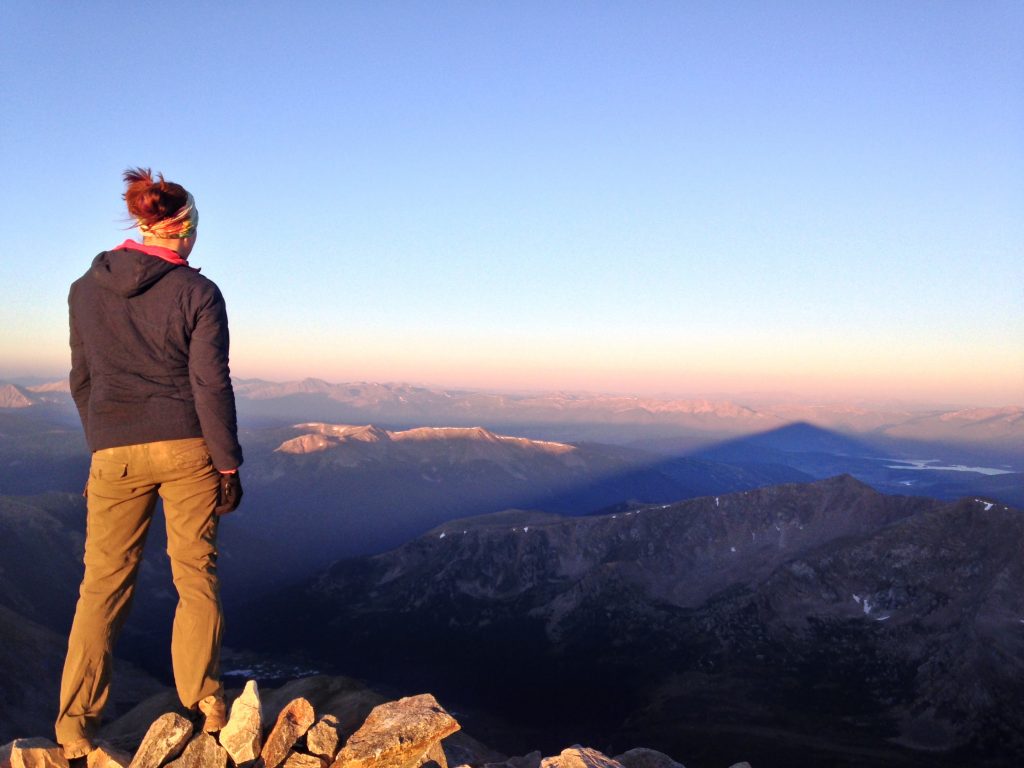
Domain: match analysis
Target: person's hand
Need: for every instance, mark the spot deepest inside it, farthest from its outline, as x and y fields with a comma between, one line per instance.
x=229, y=494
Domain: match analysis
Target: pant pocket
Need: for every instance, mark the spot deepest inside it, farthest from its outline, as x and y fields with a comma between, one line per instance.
x=193, y=457
x=107, y=469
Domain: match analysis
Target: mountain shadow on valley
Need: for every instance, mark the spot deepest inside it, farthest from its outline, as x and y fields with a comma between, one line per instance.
x=882, y=462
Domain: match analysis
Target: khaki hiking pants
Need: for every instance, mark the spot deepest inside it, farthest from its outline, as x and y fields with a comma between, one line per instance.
x=122, y=493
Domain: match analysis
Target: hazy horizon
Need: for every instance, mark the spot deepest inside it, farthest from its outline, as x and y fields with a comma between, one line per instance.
x=646, y=198
x=750, y=398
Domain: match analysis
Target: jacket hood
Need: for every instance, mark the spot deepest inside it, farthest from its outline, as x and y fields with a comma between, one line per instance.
x=128, y=272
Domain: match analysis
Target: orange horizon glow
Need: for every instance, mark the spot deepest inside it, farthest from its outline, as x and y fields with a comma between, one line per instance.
x=807, y=369
x=624, y=366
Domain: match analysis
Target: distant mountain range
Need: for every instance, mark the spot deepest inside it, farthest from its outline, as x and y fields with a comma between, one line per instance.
x=680, y=448
x=53, y=393
x=814, y=624
x=940, y=453
x=575, y=417
x=616, y=418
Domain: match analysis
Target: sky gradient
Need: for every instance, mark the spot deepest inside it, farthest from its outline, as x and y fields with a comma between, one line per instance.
x=651, y=197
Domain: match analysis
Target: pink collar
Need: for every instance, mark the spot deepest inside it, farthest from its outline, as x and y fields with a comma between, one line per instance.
x=153, y=250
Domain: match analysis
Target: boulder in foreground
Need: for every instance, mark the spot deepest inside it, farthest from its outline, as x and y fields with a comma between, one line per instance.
x=398, y=734
x=202, y=752
x=107, y=756
x=322, y=739
x=32, y=753
x=293, y=722
x=165, y=739
x=242, y=736
x=580, y=757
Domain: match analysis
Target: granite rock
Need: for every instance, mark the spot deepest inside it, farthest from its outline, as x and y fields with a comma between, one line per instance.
x=302, y=760
x=580, y=757
x=36, y=753
x=434, y=757
x=322, y=739
x=202, y=752
x=242, y=736
x=293, y=722
x=163, y=741
x=398, y=734
x=108, y=756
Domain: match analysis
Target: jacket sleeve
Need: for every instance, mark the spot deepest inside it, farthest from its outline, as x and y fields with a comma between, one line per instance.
x=80, y=378
x=211, y=380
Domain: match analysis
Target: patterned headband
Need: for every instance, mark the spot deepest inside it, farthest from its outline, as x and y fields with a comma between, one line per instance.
x=181, y=224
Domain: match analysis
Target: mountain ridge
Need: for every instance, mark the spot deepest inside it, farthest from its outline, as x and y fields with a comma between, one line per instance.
x=326, y=436
x=810, y=611
x=574, y=417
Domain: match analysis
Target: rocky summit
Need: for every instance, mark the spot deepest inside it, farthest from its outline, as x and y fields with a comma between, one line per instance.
x=410, y=732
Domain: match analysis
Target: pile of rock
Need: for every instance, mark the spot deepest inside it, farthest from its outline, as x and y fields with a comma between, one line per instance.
x=400, y=734
x=406, y=733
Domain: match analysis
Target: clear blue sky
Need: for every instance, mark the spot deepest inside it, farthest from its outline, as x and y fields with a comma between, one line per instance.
x=672, y=197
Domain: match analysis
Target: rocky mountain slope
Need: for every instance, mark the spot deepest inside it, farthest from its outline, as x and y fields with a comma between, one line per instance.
x=41, y=449
x=821, y=619
x=41, y=543
x=42, y=540
x=31, y=660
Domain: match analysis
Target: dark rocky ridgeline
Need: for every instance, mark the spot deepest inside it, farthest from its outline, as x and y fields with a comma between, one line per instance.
x=817, y=624
x=410, y=732
x=904, y=647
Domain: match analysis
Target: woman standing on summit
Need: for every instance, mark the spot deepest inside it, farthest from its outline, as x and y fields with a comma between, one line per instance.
x=149, y=375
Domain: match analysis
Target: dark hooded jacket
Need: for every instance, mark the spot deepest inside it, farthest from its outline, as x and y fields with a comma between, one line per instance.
x=149, y=355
